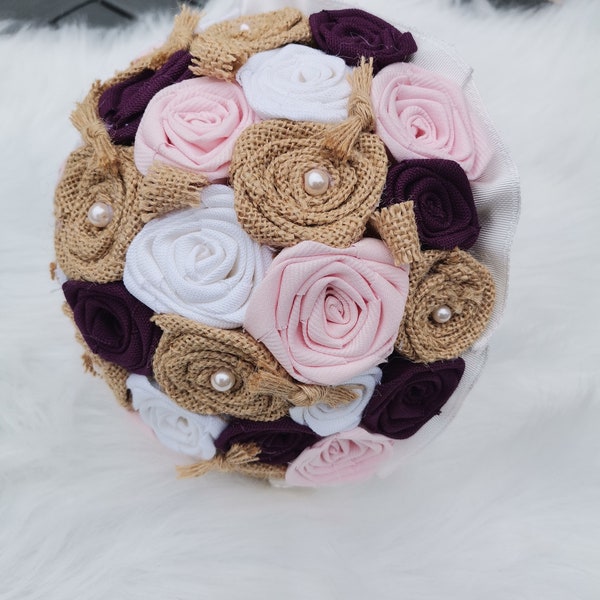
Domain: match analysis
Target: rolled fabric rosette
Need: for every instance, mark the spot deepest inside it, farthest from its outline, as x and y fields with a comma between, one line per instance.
x=294, y=272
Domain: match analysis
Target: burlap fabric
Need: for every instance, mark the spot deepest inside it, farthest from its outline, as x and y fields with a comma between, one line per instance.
x=224, y=47
x=240, y=458
x=397, y=227
x=445, y=278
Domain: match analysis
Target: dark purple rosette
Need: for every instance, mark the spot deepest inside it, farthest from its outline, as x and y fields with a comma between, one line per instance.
x=280, y=441
x=352, y=33
x=443, y=201
x=115, y=325
x=409, y=395
x=121, y=106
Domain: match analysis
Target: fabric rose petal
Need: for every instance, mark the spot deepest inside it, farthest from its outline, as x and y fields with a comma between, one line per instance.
x=280, y=441
x=350, y=456
x=445, y=211
x=410, y=395
x=115, y=325
x=352, y=33
x=297, y=83
x=422, y=114
x=329, y=314
x=193, y=125
x=121, y=105
x=326, y=420
x=176, y=428
x=197, y=262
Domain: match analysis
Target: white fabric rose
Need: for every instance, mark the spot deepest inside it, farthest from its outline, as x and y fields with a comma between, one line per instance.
x=182, y=431
x=197, y=262
x=298, y=83
x=325, y=420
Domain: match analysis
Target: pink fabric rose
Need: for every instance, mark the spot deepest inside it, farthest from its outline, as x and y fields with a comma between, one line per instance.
x=193, y=125
x=348, y=456
x=420, y=114
x=329, y=314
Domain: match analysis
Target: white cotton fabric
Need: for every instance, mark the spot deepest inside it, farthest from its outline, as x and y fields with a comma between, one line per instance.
x=197, y=262
x=177, y=428
x=325, y=420
x=298, y=83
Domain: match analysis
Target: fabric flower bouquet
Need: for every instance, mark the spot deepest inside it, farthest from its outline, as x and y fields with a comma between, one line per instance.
x=284, y=239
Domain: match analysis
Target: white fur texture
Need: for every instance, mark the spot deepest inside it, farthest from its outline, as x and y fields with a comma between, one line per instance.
x=504, y=504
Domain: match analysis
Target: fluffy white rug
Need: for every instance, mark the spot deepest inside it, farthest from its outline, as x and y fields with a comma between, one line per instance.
x=504, y=504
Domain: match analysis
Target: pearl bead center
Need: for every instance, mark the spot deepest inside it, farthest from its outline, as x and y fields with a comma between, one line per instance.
x=316, y=181
x=100, y=214
x=222, y=380
x=442, y=314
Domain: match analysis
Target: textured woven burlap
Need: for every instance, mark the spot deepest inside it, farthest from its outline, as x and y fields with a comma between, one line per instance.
x=84, y=251
x=397, y=227
x=223, y=48
x=240, y=458
x=166, y=188
x=454, y=279
x=114, y=375
x=267, y=171
x=189, y=353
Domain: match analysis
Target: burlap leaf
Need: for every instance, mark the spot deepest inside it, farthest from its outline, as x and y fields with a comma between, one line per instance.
x=397, y=227
x=85, y=251
x=241, y=458
x=189, y=353
x=165, y=188
x=445, y=278
x=224, y=47
x=267, y=171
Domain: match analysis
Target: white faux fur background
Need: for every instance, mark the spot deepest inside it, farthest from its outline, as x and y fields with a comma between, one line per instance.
x=504, y=504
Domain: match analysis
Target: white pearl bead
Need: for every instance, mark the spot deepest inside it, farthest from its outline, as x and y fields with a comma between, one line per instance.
x=316, y=181
x=244, y=27
x=100, y=214
x=442, y=314
x=222, y=380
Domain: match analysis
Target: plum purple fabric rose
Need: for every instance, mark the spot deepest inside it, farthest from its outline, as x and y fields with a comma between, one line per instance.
x=115, y=325
x=280, y=441
x=409, y=395
x=121, y=106
x=353, y=33
x=443, y=201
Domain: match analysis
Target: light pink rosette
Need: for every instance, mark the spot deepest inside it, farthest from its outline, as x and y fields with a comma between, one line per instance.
x=193, y=125
x=353, y=455
x=329, y=314
x=421, y=114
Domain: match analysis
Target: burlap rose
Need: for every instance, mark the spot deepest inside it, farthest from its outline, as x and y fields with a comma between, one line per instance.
x=189, y=354
x=352, y=33
x=83, y=250
x=224, y=47
x=329, y=314
x=452, y=279
x=280, y=441
x=268, y=173
x=115, y=325
x=409, y=395
x=353, y=455
x=422, y=114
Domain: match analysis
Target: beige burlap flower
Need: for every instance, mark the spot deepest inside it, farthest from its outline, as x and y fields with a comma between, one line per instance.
x=273, y=162
x=189, y=356
x=449, y=304
x=224, y=47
